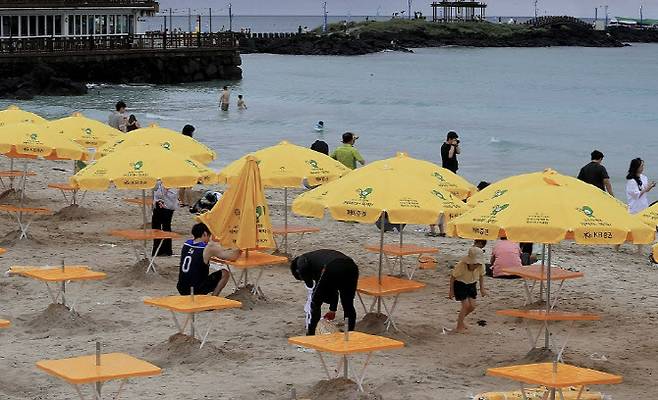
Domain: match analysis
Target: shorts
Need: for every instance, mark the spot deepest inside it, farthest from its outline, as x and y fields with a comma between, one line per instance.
x=206, y=287
x=224, y=106
x=465, y=291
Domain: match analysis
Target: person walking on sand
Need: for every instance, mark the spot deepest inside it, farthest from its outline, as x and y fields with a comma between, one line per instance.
x=328, y=275
x=347, y=154
x=165, y=202
x=463, y=284
x=595, y=173
x=194, y=268
x=225, y=98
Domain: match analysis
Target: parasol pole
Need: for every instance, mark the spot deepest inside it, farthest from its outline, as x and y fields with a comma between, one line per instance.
x=285, y=218
x=543, y=262
x=381, y=259
x=401, y=243
x=548, y=300
x=144, y=219
x=347, y=339
x=98, y=364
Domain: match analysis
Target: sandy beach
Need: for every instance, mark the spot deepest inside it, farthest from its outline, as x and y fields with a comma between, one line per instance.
x=248, y=357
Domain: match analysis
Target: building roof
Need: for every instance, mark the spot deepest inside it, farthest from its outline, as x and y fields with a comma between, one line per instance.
x=150, y=5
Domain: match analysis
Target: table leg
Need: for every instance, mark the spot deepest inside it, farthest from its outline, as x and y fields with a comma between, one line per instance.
x=192, y=325
x=152, y=258
x=528, y=294
x=580, y=392
x=365, y=310
x=123, y=382
x=211, y=325
x=173, y=316
x=75, y=299
x=324, y=365
x=66, y=199
x=187, y=321
x=389, y=321
x=372, y=305
x=566, y=341
x=557, y=294
x=233, y=278
x=561, y=394
x=257, y=290
x=523, y=392
x=361, y=377
x=53, y=297
x=531, y=338
x=77, y=389
x=345, y=367
x=97, y=391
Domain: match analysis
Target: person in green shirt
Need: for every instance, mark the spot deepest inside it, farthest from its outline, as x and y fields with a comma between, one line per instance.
x=346, y=153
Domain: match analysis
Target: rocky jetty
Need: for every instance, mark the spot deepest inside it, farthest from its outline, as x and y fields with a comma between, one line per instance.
x=370, y=37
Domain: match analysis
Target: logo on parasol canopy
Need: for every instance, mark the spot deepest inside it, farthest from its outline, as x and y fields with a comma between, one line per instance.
x=439, y=194
x=587, y=210
x=364, y=193
x=439, y=176
x=498, y=208
x=138, y=165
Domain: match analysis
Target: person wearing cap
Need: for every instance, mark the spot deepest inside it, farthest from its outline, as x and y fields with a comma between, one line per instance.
x=346, y=153
x=328, y=275
x=595, y=173
x=463, y=284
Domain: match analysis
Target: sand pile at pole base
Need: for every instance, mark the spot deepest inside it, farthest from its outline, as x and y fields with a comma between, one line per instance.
x=73, y=212
x=373, y=324
x=246, y=297
x=183, y=350
x=135, y=275
x=57, y=316
x=338, y=389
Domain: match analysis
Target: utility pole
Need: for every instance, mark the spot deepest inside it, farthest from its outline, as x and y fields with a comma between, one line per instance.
x=606, y=16
x=641, y=16
x=230, y=18
x=189, y=20
x=210, y=18
x=596, y=14
x=324, y=11
x=409, y=8
x=171, y=22
x=536, y=2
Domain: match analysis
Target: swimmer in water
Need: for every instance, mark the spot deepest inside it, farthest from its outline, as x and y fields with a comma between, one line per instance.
x=319, y=126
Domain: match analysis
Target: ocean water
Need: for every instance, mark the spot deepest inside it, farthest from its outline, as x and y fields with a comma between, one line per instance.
x=516, y=110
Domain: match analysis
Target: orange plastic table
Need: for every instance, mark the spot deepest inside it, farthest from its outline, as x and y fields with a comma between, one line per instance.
x=138, y=201
x=389, y=286
x=17, y=213
x=399, y=252
x=554, y=376
x=13, y=174
x=544, y=318
x=4, y=323
x=344, y=345
x=70, y=273
x=143, y=235
x=83, y=370
x=65, y=188
x=538, y=273
x=292, y=230
x=192, y=305
x=252, y=260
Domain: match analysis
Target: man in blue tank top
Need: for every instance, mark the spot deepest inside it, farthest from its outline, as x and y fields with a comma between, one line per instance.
x=194, y=270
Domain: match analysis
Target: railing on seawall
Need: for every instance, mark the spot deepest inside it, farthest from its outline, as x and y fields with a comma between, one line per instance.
x=91, y=43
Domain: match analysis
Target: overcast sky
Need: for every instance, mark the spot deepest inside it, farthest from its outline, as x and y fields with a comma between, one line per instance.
x=584, y=8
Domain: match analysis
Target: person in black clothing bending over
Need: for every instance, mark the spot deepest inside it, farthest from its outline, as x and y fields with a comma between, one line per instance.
x=595, y=173
x=449, y=150
x=329, y=274
x=195, y=264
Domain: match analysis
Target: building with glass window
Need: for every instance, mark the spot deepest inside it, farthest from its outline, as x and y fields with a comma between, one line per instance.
x=73, y=18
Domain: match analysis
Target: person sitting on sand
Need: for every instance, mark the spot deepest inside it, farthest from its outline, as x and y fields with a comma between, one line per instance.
x=327, y=274
x=505, y=254
x=463, y=284
x=195, y=264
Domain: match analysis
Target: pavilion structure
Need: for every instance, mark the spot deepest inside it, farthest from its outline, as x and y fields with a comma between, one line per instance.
x=458, y=11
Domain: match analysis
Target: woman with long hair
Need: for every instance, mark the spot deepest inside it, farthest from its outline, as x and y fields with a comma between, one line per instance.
x=637, y=187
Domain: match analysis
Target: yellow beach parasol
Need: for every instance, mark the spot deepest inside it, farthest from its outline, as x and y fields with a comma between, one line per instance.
x=556, y=210
x=649, y=216
x=241, y=218
x=286, y=165
x=139, y=168
x=30, y=141
x=380, y=188
x=14, y=115
x=85, y=131
x=166, y=138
